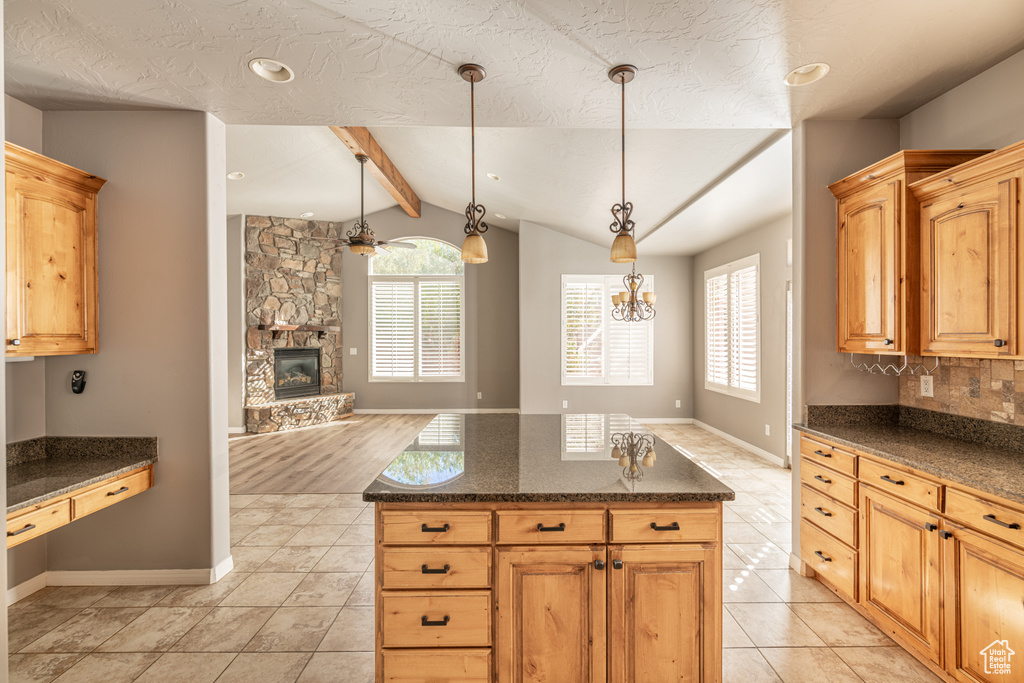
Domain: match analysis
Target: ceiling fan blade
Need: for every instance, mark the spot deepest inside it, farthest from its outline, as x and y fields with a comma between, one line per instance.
x=398, y=245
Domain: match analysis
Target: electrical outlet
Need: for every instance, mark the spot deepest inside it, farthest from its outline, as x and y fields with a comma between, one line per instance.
x=927, y=385
x=479, y=395
x=565, y=404
x=679, y=404
x=767, y=430
x=352, y=351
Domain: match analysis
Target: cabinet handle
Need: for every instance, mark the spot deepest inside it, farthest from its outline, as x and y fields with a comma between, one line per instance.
x=616, y=564
x=823, y=454
x=443, y=570
x=28, y=527
x=598, y=564
x=886, y=477
x=887, y=342
x=999, y=342
x=15, y=342
x=928, y=526
x=961, y=204
x=117, y=492
x=822, y=479
x=992, y=518
x=819, y=554
x=560, y=527
x=674, y=526
x=427, y=622
x=820, y=511
x=434, y=529
x=946, y=534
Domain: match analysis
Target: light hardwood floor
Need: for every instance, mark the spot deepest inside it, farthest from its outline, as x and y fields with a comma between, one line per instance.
x=340, y=458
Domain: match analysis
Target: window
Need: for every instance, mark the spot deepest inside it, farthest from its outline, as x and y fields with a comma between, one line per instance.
x=417, y=313
x=585, y=436
x=595, y=348
x=732, y=319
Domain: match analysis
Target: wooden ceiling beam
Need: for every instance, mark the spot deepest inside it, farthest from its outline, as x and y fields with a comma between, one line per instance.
x=360, y=141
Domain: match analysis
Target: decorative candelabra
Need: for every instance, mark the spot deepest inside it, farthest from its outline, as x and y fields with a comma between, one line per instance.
x=633, y=305
x=632, y=450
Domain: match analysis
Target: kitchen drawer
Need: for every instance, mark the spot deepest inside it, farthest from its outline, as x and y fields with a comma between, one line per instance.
x=828, y=455
x=436, y=619
x=898, y=483
x=113, y=491
x=664, y=525
x=436, y=567
x=832, y=484
x=825, y=513
x=551, y=526
x=38, y=522
x=457, y=527
x=992, y=518
x=833, y=561
x=428, y=666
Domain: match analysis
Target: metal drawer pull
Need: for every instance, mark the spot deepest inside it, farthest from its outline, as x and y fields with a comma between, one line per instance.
x=117, y=492
x=822, y=479
x=887, y=342
x=818, y=553
x=616, y=564
x=674, y=526
x=823, y=454
x=427, y=622
x=885, y=477
x=992, y=518
x=434, y=529
x=22, y=530
x=443, y=570
x=999, y=342
x=819, y=510
x=946, y=534
x=928, y=526
x=599, y=564
x=560, y=527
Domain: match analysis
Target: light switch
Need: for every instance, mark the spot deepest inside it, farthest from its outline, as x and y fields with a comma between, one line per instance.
x=565, y=404
x=479, y=395
x=352, y=351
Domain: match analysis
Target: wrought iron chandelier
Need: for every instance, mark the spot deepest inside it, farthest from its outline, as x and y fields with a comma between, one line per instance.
x=624, y=246
x=474, y=249
x=633, y=450
x=632, y=305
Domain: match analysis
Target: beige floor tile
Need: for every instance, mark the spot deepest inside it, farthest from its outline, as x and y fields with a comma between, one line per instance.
x=318, y=534
x=294, y=559
x=271, y=534
x=792, y=587
x=29, y=624
x=743, y=585
x=72, y=596
x=263, y=590
x=346, y=515
x=300, y=516
x=252, y=516
x=135, y=596
x=839, y=625
x=324, y=667
x=731, y=560
x=779, y=532
x=265, y=667
x=273, y=500
x=240, y=531
x=357, y=534
x=187, y=667
x=346, y=558
x=349, y=500
x=294, y=629
x=885, y=665
x=224, y=629
x=364, y=592
x=800, y=664
x=39, y=668
x=732, y=634
x=730, y=517
x=741, y=532
x=85, y=631
x=352, y=631
x=312, y=500
x=326, y=589
x=759, y=514
x=773, y=625
x=367, y=516
x=114, y=667
x=155, y=630
x=239, y=501
x=761, y=555
x=249, y=558
x=746, y=666
x=208, y=595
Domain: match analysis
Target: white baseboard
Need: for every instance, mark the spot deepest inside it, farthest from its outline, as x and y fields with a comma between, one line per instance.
x=795, y=562
x=222, y=569
x=770, y=457
x=26, y=588
x=236, y=430
x=665, y=420
x=432, y=411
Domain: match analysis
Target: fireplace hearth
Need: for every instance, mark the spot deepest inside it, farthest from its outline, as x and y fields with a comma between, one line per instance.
x=296, y=373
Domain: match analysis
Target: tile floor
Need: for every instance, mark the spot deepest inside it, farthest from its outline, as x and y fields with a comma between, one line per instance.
x=299, y=604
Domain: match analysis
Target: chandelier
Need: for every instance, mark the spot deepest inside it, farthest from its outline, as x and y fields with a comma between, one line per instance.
x=624, y=247
x=474, y=249
x=633, y=305
x=633, y=450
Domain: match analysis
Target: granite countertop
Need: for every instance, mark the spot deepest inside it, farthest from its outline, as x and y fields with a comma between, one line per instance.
x=535, y=458
x=49, y=466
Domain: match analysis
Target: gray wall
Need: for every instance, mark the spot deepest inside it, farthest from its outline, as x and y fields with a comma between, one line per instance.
x=236, y=321
x=545, y=255
x=736, y=416
x=492, y=321
x=160, y=370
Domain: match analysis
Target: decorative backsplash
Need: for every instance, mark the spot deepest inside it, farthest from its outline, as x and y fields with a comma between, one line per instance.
x=972, y=387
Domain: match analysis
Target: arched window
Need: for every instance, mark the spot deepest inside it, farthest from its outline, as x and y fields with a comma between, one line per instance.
x=417, y=314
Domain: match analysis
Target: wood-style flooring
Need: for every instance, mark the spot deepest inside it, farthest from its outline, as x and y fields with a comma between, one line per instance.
x=340, y=458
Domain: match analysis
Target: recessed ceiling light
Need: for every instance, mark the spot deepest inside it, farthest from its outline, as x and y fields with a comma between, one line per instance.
x=806, y=74
x=498, y=215
x=271, y=70
x=493, y=177
x=306, y=214
x=236, y=175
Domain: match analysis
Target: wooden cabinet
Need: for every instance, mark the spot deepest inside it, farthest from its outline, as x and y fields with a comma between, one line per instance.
x=52, y=291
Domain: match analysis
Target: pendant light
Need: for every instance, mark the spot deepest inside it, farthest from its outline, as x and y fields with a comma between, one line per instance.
x=624, y=247
x=361, y=238
x=474, y=249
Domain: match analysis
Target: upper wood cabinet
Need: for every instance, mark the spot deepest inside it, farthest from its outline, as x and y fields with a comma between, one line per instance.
x=877, y=251
x=51, y=256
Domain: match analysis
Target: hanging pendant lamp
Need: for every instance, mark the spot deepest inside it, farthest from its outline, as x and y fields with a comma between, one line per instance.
x=361, y=239
x=474, y=249
x=624, y=247
x=632, y=305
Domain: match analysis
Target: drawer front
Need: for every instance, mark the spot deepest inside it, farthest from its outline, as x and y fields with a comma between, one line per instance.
x=828, y=455
x=551, y=526
x=436, y=526
x=836, y=563
x=832, y=484
x=36, y=523
x=436, y=567
x=112, y=492
x=427, y=666
x=443, y=619
x=985, y=516
x=898, y=483
x=664, y=526
x=825, y=513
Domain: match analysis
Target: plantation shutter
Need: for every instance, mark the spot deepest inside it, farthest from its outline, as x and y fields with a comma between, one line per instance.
x=443, y=430
x=744, y=327
x=583, y=320
x=584, y=433
x=440, y=347
x=732, y=328
x=717, y=327
x=629, y=352
x=393, y=326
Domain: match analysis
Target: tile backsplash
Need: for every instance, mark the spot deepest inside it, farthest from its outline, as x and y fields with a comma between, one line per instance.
x=972, y=387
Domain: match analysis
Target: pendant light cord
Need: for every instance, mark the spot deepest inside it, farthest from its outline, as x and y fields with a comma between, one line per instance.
x=362, y=172
x=622, y=81
x=472, y=132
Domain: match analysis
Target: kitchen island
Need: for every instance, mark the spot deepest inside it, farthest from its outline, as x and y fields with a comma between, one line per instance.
x=547, y=548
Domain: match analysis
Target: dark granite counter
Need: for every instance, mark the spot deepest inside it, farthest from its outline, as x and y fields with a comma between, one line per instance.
x=536, y=458
x=49, y=466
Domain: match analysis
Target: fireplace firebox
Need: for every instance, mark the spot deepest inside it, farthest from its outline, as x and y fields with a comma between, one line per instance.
x=296, y=373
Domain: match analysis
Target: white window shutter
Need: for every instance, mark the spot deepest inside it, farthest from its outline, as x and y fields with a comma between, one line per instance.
x=716, y=312
x=744, y=329
x=440, y=333
x=392, y=328
x=583, y=320
x=732, y=328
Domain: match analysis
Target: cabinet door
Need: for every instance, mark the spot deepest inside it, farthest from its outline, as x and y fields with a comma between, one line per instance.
x=551, y=615
x=51, y=268
x=900, y=566
x=969, y=272
x=665, y=623
x=984, y=581
x=868, y=287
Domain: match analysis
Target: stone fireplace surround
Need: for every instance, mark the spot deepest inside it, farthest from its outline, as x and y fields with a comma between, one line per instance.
x=292, y=279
